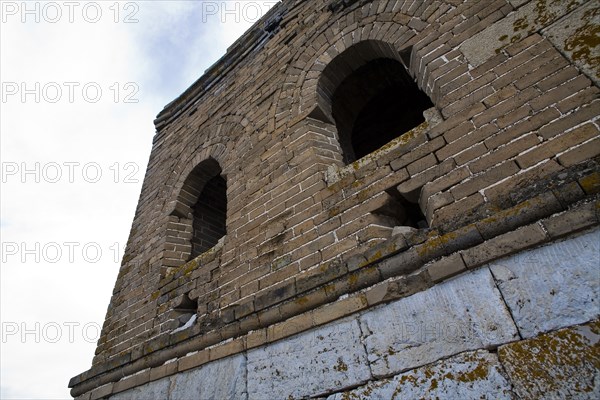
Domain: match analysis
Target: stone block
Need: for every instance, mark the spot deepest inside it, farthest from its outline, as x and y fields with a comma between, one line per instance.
x=465, y=313
x=400, y=264
x=221, y=379
x=515, y=27
x=560, y=365
x=523, y=213
x=473, y=375
x=153, y=390
x=311, y=363
x=339, y=309
x=571, y=221
x=446, y=267
x=397, y=288
x=101, y=392
x=553, y=286
x=570, y=35
x=504, y=245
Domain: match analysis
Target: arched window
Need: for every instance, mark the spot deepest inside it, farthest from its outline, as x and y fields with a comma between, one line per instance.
x=209, y=216
x=199, y=214
x=375, y=104
x=371, y=97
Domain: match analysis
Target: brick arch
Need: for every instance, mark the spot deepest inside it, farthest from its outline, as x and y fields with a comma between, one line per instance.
x=216, y=152
x=239, y=130
x=335, y=52
x=226, y=141
x=316, y=90
x=184, y=168
x=407, y=32
x=205, y=165
x=300, y=95
x=180, y=226
x=341, y=67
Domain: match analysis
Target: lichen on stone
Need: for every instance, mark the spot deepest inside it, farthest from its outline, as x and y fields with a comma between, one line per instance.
x=555, y=364
x=585, y=39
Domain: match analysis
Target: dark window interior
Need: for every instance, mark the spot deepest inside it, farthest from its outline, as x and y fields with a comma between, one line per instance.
x=375, y=104
x=210, y=214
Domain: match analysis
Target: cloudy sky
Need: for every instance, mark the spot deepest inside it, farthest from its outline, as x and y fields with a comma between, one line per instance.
x=81, y=84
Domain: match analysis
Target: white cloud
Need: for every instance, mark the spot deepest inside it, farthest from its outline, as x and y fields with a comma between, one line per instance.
x=153, y=60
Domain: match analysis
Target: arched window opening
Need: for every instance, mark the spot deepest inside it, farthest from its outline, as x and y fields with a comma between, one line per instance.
x=209, y=216
x=369, y=95
x=198, y=216
x=376, y=103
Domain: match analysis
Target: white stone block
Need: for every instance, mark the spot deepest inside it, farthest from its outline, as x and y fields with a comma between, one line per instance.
x=465, y=313
x=154, y=390
x=321, y=361
x=221, y=379
x=476, y=375
x=554, y=286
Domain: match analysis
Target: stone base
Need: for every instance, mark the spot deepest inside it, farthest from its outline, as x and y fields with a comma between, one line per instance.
x=534, y=309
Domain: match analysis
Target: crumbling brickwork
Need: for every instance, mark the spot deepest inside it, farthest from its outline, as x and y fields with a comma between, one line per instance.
x=380, y=148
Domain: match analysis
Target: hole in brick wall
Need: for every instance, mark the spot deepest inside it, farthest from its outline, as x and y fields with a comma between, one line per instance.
x=400, y=212
x=209, y=216
x=185, y=310
x=414, y=216
x=376, y=103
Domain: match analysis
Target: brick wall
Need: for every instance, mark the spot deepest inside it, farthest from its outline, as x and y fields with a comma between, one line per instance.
x=512, y=138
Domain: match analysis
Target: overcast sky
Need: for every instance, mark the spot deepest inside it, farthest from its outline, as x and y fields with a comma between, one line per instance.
x=81, y=85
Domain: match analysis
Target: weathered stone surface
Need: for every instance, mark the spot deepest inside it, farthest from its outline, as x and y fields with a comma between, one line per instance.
x=473, y=375
x=553, y=286
x=564, y=364
x=221, y=379
x=577, y=37
x=316, y=362
x=154, y=390
x=516, y=26
x=465, y=313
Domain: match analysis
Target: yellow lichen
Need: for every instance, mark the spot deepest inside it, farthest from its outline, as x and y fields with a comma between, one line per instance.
x=548, y=360
x=375, y=257
x=372, y=157
x=584, y=39
x=590, y=183
x=435, y=243
x=352, y=279
x=341, y=366
x=301, y=301
x=543, y=16
x=520, y=24
x=480, y=372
